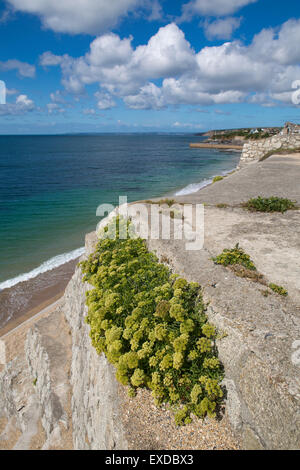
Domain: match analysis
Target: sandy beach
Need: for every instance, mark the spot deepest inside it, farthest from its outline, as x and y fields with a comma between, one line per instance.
x=25, y=299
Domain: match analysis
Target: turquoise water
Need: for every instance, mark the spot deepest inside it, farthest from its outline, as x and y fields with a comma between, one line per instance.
x=51, y=186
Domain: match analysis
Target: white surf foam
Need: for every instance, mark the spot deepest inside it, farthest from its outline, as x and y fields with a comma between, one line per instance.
x=195, y=187
x=48, y=265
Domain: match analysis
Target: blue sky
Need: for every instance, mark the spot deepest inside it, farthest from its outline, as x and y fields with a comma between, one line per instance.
x=145, y=65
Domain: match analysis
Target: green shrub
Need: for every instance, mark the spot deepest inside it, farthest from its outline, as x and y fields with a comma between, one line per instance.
x=278, y=289
x=218, y=178
x=152, y=327
x=235, y=256
x=271, y=204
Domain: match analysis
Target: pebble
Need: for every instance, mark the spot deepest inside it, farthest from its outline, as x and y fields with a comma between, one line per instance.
x=152, y=428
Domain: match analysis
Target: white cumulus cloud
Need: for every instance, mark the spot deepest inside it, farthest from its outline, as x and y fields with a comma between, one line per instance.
x=278, y=46
x=113, y=62
x=55, y=108
x=221, y=28
x=187, y=125
x=57, y=97
x=79, y=16
x=48, y=59
x=24, y=101
x=104, y=100
x=89, y=111
x=168, y=71
x=22, y=105
x=149, y=97
x=24, y=69
x=213, y=7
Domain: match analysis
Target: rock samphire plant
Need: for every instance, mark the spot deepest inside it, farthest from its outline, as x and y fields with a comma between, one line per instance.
x=152, y=327
x=241, y=264
x=218, y=178
x=271, y=204
x=235, y=256
x=278, y=289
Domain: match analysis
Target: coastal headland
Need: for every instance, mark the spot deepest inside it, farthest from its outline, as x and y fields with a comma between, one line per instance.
x=69, y=396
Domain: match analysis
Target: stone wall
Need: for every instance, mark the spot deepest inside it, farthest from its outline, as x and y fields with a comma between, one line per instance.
x=257, y=149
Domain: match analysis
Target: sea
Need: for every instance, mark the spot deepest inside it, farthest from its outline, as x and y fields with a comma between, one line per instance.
x=51, y=186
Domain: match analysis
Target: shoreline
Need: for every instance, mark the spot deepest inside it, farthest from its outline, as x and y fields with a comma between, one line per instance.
x=30, y=315
x=202, y=184
x=27, y=298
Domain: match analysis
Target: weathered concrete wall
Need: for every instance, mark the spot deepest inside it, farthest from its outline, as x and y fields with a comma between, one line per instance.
x=255, y=150
x=262, y=382
x=47, y=349
x=96, y=407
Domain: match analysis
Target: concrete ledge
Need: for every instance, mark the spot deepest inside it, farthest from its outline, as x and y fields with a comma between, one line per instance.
x=216, y=146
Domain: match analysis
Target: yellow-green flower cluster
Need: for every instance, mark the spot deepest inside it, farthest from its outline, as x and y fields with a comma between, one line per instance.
x=151, y=325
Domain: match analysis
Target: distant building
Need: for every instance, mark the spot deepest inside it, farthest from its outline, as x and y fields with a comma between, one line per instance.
x=290, y=128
